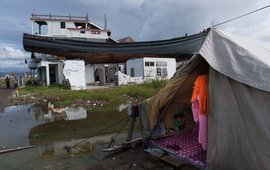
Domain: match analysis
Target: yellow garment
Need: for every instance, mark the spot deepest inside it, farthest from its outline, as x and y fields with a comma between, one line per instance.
x=201, y=89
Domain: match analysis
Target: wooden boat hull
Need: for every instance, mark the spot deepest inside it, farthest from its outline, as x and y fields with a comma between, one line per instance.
x=98, y=52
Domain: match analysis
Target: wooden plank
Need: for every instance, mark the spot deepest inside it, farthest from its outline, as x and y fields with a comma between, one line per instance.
x=17, y=149
x=134, y=140
x=112, y=149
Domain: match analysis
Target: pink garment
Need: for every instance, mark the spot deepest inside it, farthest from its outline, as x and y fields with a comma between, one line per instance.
x=195, y=110
x=203, y=130
x=197, y=116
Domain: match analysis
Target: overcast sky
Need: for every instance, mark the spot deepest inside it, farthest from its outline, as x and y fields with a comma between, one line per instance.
x=140, y=19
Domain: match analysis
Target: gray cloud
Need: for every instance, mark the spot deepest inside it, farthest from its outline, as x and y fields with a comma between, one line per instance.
x=140, y=19
x=12, y=59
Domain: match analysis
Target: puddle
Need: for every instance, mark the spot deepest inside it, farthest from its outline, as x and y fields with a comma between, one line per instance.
x=15, y=123
x=54, y=131
x=25, y=125
x=59, y=155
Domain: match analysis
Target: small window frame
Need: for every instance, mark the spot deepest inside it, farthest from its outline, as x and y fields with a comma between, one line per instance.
x=62, y=25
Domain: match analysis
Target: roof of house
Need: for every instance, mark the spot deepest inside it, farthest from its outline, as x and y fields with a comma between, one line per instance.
x=127, y=39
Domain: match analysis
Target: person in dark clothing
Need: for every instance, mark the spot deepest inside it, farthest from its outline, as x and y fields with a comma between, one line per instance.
x=7, y=82
x=15, y=82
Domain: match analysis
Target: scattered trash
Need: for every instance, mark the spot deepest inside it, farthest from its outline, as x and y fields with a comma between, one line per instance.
x=59, y=110
x=121, y=107
x=155, y=152
x=111, y=149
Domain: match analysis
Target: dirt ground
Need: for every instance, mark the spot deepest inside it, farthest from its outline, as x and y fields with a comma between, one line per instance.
x=136, y=159
x=132, y=159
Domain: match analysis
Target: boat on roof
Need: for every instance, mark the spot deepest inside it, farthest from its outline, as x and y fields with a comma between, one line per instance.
x=104, y=52
x=77, y=37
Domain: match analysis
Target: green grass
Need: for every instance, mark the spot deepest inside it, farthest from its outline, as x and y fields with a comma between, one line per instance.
x=118, y=95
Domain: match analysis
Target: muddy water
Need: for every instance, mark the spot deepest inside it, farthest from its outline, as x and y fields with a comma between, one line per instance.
x=54, y=132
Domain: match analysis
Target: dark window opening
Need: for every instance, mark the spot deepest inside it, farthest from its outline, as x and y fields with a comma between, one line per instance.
x=149, y=63
x=62, y=25
x=82, y=32
x=164, y=72
x=158, y=71
x=132, y=72
x=40, y=27
x=80, y=25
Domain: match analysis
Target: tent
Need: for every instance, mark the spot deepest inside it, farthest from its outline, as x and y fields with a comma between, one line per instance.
x=239, y=100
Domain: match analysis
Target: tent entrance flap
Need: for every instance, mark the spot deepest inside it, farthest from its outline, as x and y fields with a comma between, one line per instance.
x=185, y=146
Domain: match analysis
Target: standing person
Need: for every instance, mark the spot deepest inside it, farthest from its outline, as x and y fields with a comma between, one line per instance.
x=15, y=82
x=7, y=82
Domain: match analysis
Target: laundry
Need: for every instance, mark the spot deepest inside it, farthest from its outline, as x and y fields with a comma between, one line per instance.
x=199, y=107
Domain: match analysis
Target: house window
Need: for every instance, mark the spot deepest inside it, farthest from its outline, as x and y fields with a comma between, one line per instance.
x=132, y=72
x=162, y=69
x=158, y=71
x=149, y=63
x=164, y=72
x=95, y=32
x=161, y=64
x=62, y=25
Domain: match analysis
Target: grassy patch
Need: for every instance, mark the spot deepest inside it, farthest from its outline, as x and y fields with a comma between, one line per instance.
x=64, y=97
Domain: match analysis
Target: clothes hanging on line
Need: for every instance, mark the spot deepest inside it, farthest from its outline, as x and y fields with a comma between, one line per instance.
x=199, y=102
x=201, y=89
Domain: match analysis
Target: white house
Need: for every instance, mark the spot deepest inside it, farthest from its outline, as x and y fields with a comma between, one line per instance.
x=144, y=69
x=151, y=68
x=57, y=70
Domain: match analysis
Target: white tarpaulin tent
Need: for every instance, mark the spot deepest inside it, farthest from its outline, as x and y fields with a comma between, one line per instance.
x=239, y=100
x=242, y=59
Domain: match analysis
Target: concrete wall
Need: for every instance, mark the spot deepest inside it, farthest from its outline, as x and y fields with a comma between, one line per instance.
x=141, y=70
x=99, y=69
x=171, y=67
x=137, y=64
x=44, y=68
x=60, y=73
x=123, y=79
x=74, y=71
x=149, y=71
x=89, y=74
